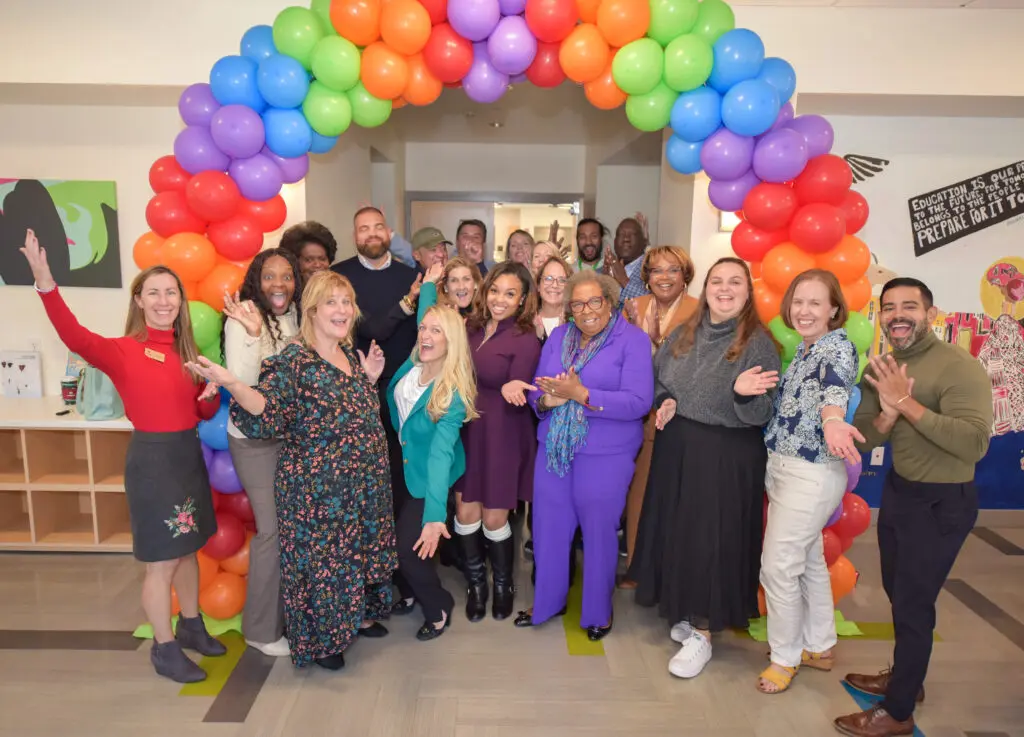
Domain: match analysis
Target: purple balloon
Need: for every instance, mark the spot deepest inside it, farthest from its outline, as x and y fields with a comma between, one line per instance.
x=512, y=7
x=474, y=19
x=835, y=515
x=197, y=104
x=785, y=115
x=726, y=155
x=728, y=195
x=207, y=455
x=853, y=473
x=292, y=170
x=780, y=156
x=222, y=473
x=483, y=83
x=196, y=151
x=817, y=131
x=238, y=131
x=518, y=78
x=257, y=177
x=512, y=46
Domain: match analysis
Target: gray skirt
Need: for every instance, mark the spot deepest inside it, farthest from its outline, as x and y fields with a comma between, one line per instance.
x=169, y=499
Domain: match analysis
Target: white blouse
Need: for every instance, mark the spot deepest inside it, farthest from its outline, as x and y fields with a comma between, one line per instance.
x=408, y=392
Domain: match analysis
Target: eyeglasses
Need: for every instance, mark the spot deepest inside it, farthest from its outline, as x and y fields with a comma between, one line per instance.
x=594, y=303
x=559, y=280
x=671, y=271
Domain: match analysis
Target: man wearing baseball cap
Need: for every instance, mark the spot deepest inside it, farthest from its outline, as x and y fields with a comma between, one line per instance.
x=429, y=247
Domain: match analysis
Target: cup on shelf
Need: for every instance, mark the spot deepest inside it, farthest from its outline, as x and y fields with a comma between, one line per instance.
x=69, y=390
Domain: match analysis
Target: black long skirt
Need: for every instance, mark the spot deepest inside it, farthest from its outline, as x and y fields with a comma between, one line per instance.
x=169, y=499
x=698, y=550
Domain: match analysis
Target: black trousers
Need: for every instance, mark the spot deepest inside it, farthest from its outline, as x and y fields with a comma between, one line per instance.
x=921, y=528
x=399, y=492
x=420, y=575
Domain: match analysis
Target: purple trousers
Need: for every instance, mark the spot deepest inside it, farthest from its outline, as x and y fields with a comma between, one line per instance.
x=592, y=496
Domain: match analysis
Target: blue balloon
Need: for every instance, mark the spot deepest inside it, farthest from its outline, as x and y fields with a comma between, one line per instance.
x=282, y=81
x=322, y=144
x=852, y=405
x=683, y=156
x=750, y=107
x=288, y=133
x=233, y=82
x=258, y=43
x=780, y=74
x=696, y=114
x=739, y=54
x=214, y=431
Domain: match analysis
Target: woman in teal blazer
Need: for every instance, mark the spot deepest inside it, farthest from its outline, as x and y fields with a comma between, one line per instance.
x=430, y=397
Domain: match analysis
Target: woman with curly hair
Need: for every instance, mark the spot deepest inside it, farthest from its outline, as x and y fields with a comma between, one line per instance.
x=262, y=319
x=312, y=244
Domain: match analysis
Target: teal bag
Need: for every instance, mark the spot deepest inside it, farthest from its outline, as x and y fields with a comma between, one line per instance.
x=97, y=397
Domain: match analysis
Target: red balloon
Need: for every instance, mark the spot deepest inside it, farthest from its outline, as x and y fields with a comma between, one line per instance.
x=817, y=227
x=847, y=543
x=436, y=9
x=833, y=546
x=268, y=215
x=237, y=505
x=551, y=20
x=545, y=71
x=769, y=206
x=236, y=239
x=228, y=538
x=213, y=195
x=167, y=214
x=855, y=519
x=751, y=243
x=826, y=178
x=447, y=55
x=166, y=175
x=217, y=496
x=855, y=208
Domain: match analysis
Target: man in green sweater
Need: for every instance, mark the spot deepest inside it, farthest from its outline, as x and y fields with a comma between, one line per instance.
x=932, y=402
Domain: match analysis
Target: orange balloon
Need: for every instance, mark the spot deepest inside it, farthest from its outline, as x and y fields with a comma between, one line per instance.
x=588, y=10
x=398, y=102
x=782, y=263
x=224, y=597
x=857, y=294
x=357, y=20
x=405, y=26
x=175, y=605
x=208, y=569
x=384, y=71
x=239, y=562
x=191, y=289
x=225, y=277
x=584, y=54
x=602, y=92
x=423, y=87
x=844, y=578
x=762, y=602
x=766, y=301
x=623, y=21
x=849, y=260
x=148, y=250
x=189, y=255
x=755, y=269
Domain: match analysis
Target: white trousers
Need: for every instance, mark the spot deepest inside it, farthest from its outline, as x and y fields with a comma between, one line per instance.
x=797, y=586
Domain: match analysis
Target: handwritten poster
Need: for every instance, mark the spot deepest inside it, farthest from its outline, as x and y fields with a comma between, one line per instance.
x=945, y=215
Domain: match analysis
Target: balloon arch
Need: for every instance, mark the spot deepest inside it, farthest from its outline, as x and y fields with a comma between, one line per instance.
x=297, y=85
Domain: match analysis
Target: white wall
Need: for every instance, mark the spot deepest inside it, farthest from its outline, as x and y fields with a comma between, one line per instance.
x=623, y=191
x=475, y=167
x=338, y=184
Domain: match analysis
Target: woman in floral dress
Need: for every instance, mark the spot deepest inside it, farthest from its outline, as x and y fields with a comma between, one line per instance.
x=333, y=491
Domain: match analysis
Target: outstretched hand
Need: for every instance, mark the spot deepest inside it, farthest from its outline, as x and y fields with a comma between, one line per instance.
x=210, y=371
x=372, y=362
x=431, y=535
x=514, y=392
x=755, y=381
x=36, y=257
x=244, y=313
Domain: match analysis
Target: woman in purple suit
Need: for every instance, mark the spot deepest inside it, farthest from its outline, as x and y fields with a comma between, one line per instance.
x=595, y=385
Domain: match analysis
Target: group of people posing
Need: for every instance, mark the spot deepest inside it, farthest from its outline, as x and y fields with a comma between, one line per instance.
x=381, y=410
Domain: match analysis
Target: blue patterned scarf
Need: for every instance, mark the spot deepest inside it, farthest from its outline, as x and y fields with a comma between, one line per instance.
x=567, y=431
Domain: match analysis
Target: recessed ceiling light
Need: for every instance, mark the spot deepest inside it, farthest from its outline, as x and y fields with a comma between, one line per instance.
x=496, y=124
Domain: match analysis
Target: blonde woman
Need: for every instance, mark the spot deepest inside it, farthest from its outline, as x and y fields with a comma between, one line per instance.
x=431, y=396
x=542, y=252
x=335, y=525
x=454, y=285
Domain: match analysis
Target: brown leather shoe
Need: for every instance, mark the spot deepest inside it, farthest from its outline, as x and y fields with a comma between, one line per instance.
x=875, y=685
x=874, y=722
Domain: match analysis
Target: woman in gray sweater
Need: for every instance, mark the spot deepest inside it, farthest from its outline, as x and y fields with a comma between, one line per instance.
x=698, y=550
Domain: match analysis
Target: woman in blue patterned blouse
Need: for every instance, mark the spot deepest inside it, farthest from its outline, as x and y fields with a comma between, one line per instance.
x=807, y=441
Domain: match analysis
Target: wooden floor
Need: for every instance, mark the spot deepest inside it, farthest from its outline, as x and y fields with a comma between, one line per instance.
x=69, y=668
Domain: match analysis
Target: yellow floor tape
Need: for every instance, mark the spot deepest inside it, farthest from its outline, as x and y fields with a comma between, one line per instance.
x=576, y=638
x=217, y=669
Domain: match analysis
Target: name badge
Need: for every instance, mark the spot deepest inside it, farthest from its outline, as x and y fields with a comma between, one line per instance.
x=155, y=355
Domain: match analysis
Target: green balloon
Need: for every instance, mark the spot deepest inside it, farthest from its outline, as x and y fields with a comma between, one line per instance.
x=713, y=19
x=862, y=363
x=368, y=111
x=638, y=66
x=788, y=338
x=671, y=18
x=214, y=353
x=335, y=63
x=688, y=62
x=205, y=323
x=296, y=32
x=860, y=331
x=651, y=112
x=329, y=113
x=785, y=367
x=322, y=8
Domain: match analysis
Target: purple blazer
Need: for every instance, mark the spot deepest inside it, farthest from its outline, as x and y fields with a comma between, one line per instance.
x=621, y=383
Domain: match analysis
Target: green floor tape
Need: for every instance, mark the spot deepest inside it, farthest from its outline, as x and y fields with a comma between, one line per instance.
x=217, y=669
x=758, y=629
x=575, y=638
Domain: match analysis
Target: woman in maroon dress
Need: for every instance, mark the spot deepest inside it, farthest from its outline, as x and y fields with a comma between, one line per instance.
x=500, y=445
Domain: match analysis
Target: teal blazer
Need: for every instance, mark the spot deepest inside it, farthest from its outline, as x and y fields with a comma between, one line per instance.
x=432, y=454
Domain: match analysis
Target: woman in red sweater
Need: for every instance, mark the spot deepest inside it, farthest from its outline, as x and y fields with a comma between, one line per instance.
x=168, y=491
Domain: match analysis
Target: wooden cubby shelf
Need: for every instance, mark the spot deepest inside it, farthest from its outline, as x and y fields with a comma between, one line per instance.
x=15, y=525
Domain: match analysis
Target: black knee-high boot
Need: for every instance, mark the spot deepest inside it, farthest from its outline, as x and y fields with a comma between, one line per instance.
x=501, y=555
x=474, y=566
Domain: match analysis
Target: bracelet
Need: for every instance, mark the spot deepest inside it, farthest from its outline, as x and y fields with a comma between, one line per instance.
x=43, y=291
x=902, y=399
x=833, y=418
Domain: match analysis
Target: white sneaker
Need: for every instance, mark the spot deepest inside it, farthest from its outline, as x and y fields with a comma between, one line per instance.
x=278, y=649
x=691, y=658
x=681, y=632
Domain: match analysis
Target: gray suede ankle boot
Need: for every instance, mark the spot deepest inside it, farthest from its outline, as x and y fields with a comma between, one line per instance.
x=192, y=634
x=171, y=662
